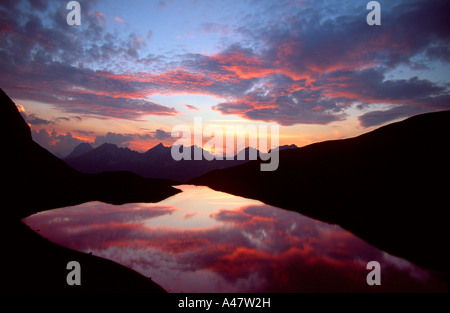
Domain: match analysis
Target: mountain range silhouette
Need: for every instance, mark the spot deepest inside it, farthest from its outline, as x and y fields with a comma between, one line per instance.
x=156, y=162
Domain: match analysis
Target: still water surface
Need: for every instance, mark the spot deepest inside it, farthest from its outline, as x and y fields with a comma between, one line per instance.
x=201, y=240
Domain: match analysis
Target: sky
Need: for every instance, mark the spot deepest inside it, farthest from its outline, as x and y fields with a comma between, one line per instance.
x=134, y=69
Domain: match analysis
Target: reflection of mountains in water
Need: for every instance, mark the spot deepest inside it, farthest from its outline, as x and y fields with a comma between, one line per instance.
x=154, y=163
x=389, y=186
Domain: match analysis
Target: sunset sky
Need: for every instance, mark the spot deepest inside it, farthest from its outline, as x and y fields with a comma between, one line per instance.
x=134, y=69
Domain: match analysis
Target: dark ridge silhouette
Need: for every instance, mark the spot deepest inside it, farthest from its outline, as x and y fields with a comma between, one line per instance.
x=285, y=147
x=389, y=186
x=157, y=162
x=34, y=180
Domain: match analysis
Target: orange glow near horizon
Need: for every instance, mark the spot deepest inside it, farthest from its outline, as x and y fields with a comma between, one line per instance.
x=88, y=128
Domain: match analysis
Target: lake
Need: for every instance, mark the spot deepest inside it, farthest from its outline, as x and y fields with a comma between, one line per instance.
x=201, y=240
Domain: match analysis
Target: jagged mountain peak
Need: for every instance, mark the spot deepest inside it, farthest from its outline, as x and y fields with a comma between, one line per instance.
x=81, y=149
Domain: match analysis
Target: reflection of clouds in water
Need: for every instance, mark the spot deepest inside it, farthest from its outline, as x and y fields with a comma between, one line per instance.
x=178, y=275
x=241, y=248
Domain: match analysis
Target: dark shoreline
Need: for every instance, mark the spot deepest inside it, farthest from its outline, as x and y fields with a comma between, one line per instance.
x=33, y=264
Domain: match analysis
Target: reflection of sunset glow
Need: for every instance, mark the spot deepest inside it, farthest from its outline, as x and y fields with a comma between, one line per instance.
x=201, y=240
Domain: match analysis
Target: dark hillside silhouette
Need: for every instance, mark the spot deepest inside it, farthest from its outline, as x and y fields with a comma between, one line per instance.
x=389, y=186
x=34, y=180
